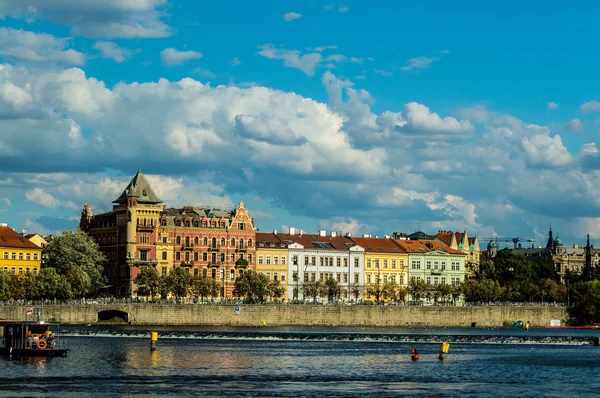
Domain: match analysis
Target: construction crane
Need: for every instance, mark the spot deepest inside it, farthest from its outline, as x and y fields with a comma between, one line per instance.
x=515, y=241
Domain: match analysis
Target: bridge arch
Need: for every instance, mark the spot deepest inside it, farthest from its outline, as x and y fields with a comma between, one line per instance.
x=113, y=315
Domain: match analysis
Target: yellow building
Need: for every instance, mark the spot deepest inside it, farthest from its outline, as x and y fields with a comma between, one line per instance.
x=272, y=259
x=17, y=254
x=385, y=262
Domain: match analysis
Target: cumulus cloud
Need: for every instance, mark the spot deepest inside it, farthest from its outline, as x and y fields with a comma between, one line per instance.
x=106, y=19
x=590, y=106
x=291, y=16
x=545, y=150
x=204, y=73
x=552, y=105
x=574, y=125
x=172, y=57
x=42, y=198
x=344, y=226
x=418, y=63
x=235, y=61
x=292, y=58
x=112, y=51
x=25, y=46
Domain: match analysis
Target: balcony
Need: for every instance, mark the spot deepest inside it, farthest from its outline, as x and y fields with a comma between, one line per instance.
x=214, y=264
x=436, y=272
x=148, y=228
x=241, y=249
x=145, y=261
x=187, y=246
x=214, y=248
x=187, y=263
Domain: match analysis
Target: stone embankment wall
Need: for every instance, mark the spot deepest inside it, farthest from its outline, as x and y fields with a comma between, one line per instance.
x=296, y=315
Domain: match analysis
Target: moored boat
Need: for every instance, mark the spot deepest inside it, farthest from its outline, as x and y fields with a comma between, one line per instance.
x=31, y=339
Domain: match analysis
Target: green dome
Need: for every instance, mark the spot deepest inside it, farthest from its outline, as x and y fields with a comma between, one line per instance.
x=491, y=245
x=558, y=241
x=461, y=246
x=471, y=247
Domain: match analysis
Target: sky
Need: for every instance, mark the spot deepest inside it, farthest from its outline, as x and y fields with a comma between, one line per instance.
x=354, y=116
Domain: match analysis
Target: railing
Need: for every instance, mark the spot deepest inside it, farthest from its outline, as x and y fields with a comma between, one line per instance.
x=214, y=248
x=187, y=263
x=241, y=249
x=145, y=261
x=145, y=227
x=187, y=246
x=55, y=344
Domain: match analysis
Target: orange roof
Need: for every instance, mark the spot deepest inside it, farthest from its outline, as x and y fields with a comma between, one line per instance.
x=380, y=245
x=269, y=239
x=11, y=238
x=419, y=246
x=445, y=237
x=318, y=242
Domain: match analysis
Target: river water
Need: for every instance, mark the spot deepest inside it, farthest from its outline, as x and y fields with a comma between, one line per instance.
x=105, y=362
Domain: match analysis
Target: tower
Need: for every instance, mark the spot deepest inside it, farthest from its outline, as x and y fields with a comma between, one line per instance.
x=86, y=217
x=587, y=269
x=550, y=243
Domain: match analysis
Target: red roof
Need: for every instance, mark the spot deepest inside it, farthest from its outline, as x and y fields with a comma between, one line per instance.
x=11, y=238
x=419, y=246
x=380, y=245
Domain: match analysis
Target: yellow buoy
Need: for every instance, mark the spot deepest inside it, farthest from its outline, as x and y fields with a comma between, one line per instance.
x=153, y=339
x=264, y=323
x=444, y=347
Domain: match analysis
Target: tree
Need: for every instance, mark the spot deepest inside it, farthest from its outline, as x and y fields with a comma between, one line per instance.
x=442, y=291
x=5, y=287
x=178, y=282
x=356, y=290
x=457, y=291
x=148, y=282
x=205, y=287
x=52, y=285
x=375, y=289
x=333, y=289
x=79, y=280
x=416, y=288
x=252, y=286
x=390, y=291
x=585, y=308
x=275, y=290
x=76, y=249
x=402, y=292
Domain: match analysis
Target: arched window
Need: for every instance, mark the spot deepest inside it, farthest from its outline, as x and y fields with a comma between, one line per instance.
x=232, y=257
x=232, y=242
x=164, y=240
x=223, y=257
x=241, y=243
x=249, y=242
x=196, y=223
x=177, y=223
x=205, y=241
x=222, y=241
x=214, y=242
x=187, y=241
x=195, y=240
x=178, y=240
x=163, y=223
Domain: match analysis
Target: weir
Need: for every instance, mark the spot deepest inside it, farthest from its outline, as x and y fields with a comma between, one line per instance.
x=294, y=315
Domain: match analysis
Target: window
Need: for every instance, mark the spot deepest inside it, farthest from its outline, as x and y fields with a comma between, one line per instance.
x=385, y=279
x=428, y=265
x=282, y=260
x=443, y=265
x=345, y=262
x=368, y=278
x=6, y=255
x=20, y=270
x=275, y=260
x=294, y=276
x=232, y=242
x=402, y=279
x=356, y=263
x=12, y=270
x=28, y=256
x=339, y=262
x=14, y=256
x=376, y=263
x=195, y=256
x=268, y=273
x=385, y=263
x=393, y=264
x=314, y=260
x=268, y=259
x=306, y=260
x=283, y=276
x=35, y=256
x=436, y=280
x=164, y=239
x=443, y=280
x=356, y=278
x=164, y=255
x=35, y=271
x=339, y=277
x=249, y=242
x=178, y=240
x=222, y=257
x=428, y=280
x=195, y=240
x=232, y=257
x=250, y=258
x=275, y=276
x=435, y=265
x=204, y=257
x=222, y=241
x=20, y=256
x=368, y=263
x=5, y=269
x=345, y=278
x=177, y=256
x=321, y=261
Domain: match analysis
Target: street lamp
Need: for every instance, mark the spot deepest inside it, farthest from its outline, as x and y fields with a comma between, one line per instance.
x=295, y=262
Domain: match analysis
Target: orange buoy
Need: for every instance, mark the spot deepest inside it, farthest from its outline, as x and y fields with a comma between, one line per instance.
x=414, y=355
x=41, y=344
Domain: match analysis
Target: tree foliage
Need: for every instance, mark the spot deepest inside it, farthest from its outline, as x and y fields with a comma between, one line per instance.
x=253, y=287
x=76, y=249
x=586, y=303
x=178, y=282
x=148, y=282
x=205, y=287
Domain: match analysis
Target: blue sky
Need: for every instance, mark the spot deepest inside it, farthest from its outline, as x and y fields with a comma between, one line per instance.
x=358, y=117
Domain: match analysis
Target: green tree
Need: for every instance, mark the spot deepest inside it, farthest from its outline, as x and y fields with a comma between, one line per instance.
x=390, y=291
x=333, y=290
x=5, y=286
x=18, y=290
x=585, y=308
x=417, y=289
x=253, y=287
x=148, y=282
x=376, y=290
x=402, y=292
x=178, y=282
x=51, y=285
x=356, y=290
x=79, y=280
x=276, y=290
x=457, y=291
x=76, y=249
x=205, y=286
x=442, y=291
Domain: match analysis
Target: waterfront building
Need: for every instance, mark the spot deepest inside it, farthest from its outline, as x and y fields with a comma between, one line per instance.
x=272, y=258
x=385, y=262
x=18, y=255
x=318, y=257
x=434, y=262
x=141, y=231
x=465, y=244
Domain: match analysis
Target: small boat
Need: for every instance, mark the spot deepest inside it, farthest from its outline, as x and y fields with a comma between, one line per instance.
x=31, y=339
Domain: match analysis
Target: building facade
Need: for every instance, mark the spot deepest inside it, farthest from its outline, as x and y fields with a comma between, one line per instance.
x=464, y=244
x=434, y=262
x=18, y=255
x=272, y=257
x=142, y=232
x=385, y=261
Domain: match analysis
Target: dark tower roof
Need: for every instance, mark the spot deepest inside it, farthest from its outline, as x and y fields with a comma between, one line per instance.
x=550, y=243
x=587, y=269
x=140, y=189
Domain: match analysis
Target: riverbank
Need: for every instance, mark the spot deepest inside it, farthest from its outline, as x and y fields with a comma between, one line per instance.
x=292, y=315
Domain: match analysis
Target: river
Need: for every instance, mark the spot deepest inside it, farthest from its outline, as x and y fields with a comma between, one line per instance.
x=108, y=362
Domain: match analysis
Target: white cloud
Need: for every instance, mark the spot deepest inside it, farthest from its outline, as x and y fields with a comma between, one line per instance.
x=383, y=72
x=106, y=19
x=574, y=125
x=345, y=225
x=22, y=45
x=6, y=202
x=112, y=51
x=545, y=150
x=172, y=57
x=417, y=118
x=336, y=58
x=590, y=106
x=204, y=73
x=343, y=9
x=329, y=6
x=552, y=105
x=235, y=61
x=42, y=198
x=323, y=48
x=476, y=114
x=418, y=63
x=291, y=16
x=292, y=58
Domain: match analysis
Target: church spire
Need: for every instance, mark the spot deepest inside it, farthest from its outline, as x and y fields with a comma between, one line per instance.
x=587, y=269
x=550, y=243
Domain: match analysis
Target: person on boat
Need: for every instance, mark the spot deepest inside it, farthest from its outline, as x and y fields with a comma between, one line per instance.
x=50, y=339
x=414, y=355
x=29, y=338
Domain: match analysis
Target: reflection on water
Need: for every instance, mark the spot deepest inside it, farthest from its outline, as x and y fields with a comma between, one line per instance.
x=187, y=365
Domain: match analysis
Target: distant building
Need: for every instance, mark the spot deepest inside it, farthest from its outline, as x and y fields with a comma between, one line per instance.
x=142, y=232
x=464, y=244
x=272, y=259
x=18, y=255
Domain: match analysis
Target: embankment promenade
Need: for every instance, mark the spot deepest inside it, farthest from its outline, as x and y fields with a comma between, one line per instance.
x=291, y=315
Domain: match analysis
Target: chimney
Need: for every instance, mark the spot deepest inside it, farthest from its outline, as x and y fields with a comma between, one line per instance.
x=575, y=246
x=348, y=235
x=386, y=236
x=322, y=232
x=3, y=224
x=292, y=231
x=275, y=231
x=333, y=234
x=301, y=232
x=366, y=236
x=23, y=232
